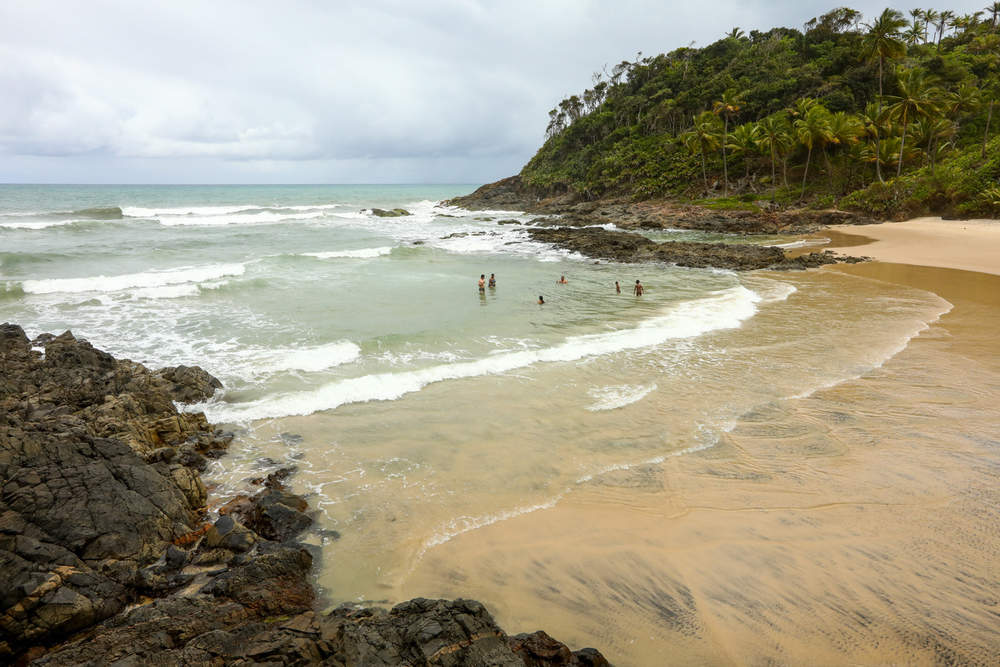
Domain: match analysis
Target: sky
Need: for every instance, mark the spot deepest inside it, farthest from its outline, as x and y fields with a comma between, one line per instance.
x=380, y=91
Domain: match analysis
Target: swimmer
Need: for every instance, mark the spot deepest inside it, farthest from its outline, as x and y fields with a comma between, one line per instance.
x=562, y=280
x=638, y=289
x=618, y=288
x=541, y=300
x=482, y=282
x=493, y=280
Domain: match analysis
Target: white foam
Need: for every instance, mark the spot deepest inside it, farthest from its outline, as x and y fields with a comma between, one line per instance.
x=261, y=217
x=722, y=310
x=363, y=253
x=166, y=291
x=618, y=396
x=464, y=524
x=41, y=224
x=802, y=243
x=312, y=359
x=143, y=212
x=149, y=279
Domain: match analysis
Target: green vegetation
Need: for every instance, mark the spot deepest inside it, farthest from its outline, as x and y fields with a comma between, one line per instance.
x=837, y=109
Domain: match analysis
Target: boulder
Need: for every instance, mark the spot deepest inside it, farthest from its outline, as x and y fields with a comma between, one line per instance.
x=391, y=213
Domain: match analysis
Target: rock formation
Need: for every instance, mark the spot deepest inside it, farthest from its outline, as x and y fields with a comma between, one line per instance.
x=107, y=554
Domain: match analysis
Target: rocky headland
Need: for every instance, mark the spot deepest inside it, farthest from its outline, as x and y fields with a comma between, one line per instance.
x=109, y=556
x=574, y=224
x=512, y=194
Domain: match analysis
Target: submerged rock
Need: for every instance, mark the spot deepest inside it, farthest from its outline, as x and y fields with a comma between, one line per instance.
x=391, y=213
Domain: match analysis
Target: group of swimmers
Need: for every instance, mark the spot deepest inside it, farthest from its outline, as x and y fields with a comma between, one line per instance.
x=637, y=290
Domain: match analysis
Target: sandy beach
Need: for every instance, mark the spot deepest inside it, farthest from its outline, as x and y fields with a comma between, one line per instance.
x=969, y=245
x=855, y=525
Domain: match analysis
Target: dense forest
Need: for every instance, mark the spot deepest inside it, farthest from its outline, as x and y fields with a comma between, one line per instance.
x=892, y=116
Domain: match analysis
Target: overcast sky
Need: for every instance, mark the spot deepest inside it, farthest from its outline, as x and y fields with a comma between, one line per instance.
x=380, y=91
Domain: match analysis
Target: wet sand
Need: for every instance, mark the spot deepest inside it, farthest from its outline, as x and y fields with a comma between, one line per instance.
x=857, y=525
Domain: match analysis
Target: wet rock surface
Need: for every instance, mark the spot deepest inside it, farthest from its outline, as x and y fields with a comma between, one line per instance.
x=108, y=555
x=629, y=247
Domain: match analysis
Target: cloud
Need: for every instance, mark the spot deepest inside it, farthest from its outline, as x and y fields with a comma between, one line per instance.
x=253, y=89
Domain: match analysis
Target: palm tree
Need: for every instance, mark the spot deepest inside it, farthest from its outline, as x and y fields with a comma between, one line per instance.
x=813, y=130
x=727, y=107
x=944, y=18
x=845, y=128
x=703, y=136
x=735, y=33
x=744, y=140
x=992, y=96
x=914, y=34
x=917, y=98
x=883, y=44
x=775, y=136
x=930, y=18
x=931, y=132
x=994, y=11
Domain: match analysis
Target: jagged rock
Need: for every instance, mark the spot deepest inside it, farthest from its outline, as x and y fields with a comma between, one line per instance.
x=190, y=384
x=101, y=507
x=538, y=649
x=392, y=213
x=633, y=248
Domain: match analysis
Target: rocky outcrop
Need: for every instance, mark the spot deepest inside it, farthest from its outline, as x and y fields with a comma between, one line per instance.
x=574, y=210
x=108, y=555
x=634, y=248
x=391, y=213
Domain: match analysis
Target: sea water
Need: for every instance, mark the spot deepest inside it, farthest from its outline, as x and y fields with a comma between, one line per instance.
x=415, y=407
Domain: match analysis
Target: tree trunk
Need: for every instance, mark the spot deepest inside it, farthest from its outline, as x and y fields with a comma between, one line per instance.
x=806, y=173
x=725, y=166
x=986, y=134
x=878, y=113
x=704, y=174
x=902, y=145
x=784, y=170
x=774, y=185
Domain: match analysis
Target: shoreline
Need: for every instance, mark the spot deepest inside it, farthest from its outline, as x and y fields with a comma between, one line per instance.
x=846, y=526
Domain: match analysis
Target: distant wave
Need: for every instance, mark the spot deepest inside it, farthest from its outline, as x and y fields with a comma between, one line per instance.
x=360, y=254
x=149, y=212
x=238, y=218
x=147, y=279
x=722, y=310
x=614, y=397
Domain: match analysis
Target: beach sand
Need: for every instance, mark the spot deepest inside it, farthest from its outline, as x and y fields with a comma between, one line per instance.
x=857, y=525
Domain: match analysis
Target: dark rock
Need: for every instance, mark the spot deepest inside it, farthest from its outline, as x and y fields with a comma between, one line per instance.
x=189, y=384
x=392, y=213
x=540, y=650
x=633, y=248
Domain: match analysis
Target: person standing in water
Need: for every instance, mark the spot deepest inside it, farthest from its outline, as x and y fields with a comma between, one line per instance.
x=638, y=289
x=618, y=288
x=541, y=300
x=482, y=282
x=562, y=280
x=493, y=280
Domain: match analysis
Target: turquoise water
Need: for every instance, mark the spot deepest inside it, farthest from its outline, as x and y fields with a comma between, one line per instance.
x=284, y=291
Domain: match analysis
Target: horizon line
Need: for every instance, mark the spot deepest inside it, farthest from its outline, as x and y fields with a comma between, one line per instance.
x=230, y=184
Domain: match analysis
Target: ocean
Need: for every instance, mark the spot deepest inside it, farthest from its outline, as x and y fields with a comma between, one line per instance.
x=415, y=408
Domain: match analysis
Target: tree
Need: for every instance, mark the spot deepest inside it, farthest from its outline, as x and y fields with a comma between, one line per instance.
x=813, y=130
x=917, y=98
x=914, y=34
x=775, y=137
x=883, y=43
x=943, y=20
x=993, y=10
x=930, y=18
x=744, y=140
x=845, y=129
x=703, y=137
x=727, y=107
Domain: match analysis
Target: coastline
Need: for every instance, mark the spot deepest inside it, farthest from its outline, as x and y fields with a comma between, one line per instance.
x=854, y=524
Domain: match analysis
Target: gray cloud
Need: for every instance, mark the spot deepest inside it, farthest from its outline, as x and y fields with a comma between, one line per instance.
x=379, y=91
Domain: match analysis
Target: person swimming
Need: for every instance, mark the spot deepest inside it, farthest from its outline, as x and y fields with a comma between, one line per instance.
x=562, y=280
x=638, y=289
x=618, y=288
x=493, y=280
x=482, y=282
x=541, y=300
